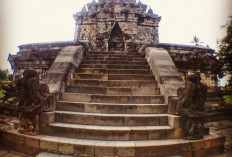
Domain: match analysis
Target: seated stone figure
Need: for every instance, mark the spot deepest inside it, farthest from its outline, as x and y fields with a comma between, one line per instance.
x=34, y=99
x=190, y=106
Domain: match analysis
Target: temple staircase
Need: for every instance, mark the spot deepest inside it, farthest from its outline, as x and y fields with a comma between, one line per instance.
x=113, y=96
x=112, y=101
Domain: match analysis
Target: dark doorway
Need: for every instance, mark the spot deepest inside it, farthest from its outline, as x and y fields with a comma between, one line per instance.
x=116, y=39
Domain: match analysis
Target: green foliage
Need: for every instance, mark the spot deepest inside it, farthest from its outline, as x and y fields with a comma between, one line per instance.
x=10, y=77
x=228, y=98
x=2, y=94
x=3, y=74
x=225, y=52
x=196, y=40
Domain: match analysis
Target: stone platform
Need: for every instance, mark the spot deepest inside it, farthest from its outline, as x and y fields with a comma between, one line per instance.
x=33, y=145
x=111, y=106
x=221, y=127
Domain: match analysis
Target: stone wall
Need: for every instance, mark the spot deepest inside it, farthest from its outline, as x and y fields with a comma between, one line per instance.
x=36, y=56
x=191, y=59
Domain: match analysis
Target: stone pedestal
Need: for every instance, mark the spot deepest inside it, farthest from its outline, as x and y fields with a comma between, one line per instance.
x=29, y=123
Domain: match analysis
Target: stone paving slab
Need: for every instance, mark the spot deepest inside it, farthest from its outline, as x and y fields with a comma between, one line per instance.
x=8, y=153
x=46, y=154
x=223, y=128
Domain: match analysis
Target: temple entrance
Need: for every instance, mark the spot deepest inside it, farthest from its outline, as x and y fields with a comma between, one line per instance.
x=116, y=39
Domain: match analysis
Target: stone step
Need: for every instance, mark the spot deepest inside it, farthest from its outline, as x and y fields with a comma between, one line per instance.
x=210, y=145
x=112, y=71
x=111, y=53
x=115, y=66
x=111, y=108
x=114, y=55
x=113, y=83
x=115, y=59
x=110, y=133
x=103, y=98
x=113, y=91
x=111, y=119
x=113, y=76
x=114, y=62
x=47, y=154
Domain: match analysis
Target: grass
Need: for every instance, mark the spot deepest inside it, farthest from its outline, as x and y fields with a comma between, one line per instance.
x=228, y=98
x=1, y=93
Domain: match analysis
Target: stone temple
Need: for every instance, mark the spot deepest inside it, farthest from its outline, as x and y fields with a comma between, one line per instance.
x=116, y=89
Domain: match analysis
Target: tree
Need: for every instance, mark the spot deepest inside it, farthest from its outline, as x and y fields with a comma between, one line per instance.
x=3, y=74
x=10, y=77
x=225, y=52
x=196, y=40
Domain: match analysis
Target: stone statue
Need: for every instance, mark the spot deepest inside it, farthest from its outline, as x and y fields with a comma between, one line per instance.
x=190, y=106
x=34, y=99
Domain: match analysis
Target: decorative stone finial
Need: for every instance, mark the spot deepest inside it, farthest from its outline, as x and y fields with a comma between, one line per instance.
x=84, y=10
x=150, y=11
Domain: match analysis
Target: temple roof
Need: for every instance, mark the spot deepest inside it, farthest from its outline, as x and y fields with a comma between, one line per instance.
x=130, y=6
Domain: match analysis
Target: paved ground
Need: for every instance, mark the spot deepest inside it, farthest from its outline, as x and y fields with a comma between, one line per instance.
x=8, y=153
x=223, y=128
x=220, y=127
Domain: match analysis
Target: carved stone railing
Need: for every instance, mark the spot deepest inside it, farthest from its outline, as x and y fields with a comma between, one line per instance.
x=166, y=74
x=38, y=99
x=183, y=99
x=65, y=63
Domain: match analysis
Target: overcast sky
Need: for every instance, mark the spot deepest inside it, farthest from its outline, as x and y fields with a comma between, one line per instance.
x=31, y=21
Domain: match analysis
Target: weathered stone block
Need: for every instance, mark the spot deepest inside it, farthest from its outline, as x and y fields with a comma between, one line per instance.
x=49, y=143
x=66, y=146
x=141, y=134
x=201, y=144
x=77, y=133
x=136, y=121
x=157, y=134
x=19, y=138
x=59, y=117
x=21, y=148
x=69, y=106
x=214, y=151
x=7, y=136
x=83, y=148
x=126, y=149
x=105, y=148
x=32, y=142
x=163, y=120
x=187, y=154
x=76, y=97
x=47, y=117
x=217, y=142
x=174, y=121
x=175, y=133
x=31, y=150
